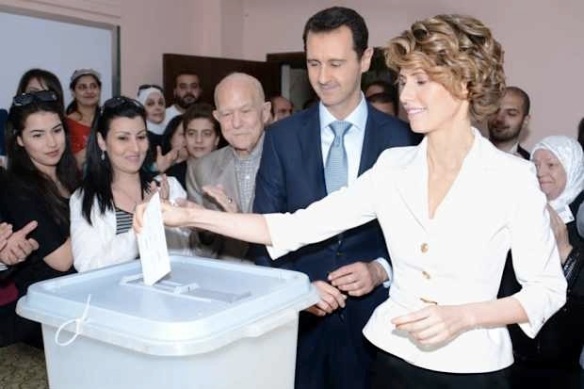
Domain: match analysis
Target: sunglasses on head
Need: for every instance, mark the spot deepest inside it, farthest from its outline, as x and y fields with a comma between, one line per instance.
x=118, y=101
x=28, y=98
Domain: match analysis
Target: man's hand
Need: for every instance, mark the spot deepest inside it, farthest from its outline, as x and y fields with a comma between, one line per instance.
x=217, y=193
x=359, y=278
x=331, y=299
x=18, y=246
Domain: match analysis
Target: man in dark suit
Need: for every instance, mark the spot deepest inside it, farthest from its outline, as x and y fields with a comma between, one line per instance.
x=506, y=124
x=351, y=271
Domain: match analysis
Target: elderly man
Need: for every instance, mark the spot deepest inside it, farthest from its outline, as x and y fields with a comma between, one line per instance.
x=225, y=179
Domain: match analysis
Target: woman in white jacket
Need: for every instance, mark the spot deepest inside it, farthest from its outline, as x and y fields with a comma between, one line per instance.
x=450, y=209
x=116, y=180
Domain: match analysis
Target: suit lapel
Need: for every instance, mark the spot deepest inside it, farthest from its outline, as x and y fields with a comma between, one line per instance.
x=371, y=142
x=308, y=136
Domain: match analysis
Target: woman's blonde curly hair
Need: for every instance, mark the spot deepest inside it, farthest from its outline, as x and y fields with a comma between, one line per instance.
x=455, y=51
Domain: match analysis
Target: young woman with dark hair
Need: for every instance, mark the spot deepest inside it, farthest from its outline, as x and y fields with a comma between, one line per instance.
x=172, y=154
x=116, y=179
x=36, y=80
x=41, y=176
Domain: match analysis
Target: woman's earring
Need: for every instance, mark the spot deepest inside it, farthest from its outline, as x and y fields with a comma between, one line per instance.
x=103, y=155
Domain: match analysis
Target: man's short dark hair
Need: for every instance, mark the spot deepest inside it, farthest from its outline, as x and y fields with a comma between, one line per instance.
x=384, y=98
x=386, y=86
x=184, y=73
x=332, y=18
x=524, y=96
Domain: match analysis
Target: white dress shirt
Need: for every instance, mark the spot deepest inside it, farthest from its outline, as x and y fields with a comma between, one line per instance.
x=353, y=138
x=353, y=141
x=457, y=257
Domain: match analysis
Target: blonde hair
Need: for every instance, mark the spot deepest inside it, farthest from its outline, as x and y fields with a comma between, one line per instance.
x=458, y=52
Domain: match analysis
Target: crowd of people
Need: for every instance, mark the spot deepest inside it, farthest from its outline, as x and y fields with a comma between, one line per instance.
x=441, y=258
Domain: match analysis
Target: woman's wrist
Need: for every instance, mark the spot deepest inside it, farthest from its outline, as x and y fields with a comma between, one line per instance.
x=564, y=252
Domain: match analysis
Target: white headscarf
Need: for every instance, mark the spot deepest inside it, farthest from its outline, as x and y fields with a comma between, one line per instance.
x=143, y=94
x=569, y=152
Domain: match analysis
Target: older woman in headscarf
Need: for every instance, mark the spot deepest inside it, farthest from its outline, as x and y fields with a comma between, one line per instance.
x=152, y=98
x=554, y=354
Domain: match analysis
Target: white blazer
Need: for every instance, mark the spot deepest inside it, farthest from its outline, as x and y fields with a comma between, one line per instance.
x=97, y=245
x=455, y=258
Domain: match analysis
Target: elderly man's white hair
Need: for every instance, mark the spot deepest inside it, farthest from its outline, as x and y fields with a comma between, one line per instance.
x=242, y=77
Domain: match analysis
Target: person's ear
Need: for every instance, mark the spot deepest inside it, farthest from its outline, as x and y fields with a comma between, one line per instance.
x=266, y=112
x=526, y=120
x=101, y=142
x=365, y=61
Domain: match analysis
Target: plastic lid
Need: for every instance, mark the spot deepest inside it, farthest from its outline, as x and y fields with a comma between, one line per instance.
x=200, y=306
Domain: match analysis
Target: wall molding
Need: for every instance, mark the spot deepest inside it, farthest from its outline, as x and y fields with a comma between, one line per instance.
x=109, y=8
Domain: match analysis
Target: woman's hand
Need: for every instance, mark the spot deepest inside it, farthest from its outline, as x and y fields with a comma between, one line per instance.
x=172, y=215
x=165, y=161
x=561, y=233
x=5, y=232
x=18, y=247
x=435, y=324
x=217, y=193
x=161, y=187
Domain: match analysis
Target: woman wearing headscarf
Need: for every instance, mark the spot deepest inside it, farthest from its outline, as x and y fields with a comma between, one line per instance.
x=553, y=356
x=152, y=98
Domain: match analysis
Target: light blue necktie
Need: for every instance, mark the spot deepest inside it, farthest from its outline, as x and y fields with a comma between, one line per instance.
x=335, y=171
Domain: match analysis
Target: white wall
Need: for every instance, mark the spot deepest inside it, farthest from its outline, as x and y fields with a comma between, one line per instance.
x=542, y=41
x=52, y=45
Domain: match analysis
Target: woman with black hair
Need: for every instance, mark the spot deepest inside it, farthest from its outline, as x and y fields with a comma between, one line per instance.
x=33, y=80
x=116, y=179
x=36, y=80
x=172, y=153
x=41, y=176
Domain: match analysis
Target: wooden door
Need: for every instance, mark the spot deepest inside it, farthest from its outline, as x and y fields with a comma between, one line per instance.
x=211, y=70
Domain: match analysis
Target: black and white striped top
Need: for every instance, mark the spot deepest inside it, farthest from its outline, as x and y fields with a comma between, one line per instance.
x=123, y=221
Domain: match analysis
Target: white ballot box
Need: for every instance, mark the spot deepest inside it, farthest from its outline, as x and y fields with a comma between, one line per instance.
x=208, y=324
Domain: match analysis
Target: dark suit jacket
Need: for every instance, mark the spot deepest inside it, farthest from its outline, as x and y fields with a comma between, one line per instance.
x=524, y=153
x=291, y=177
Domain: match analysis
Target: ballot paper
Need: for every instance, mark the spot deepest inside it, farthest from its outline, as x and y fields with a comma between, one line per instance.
x=152, y=243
